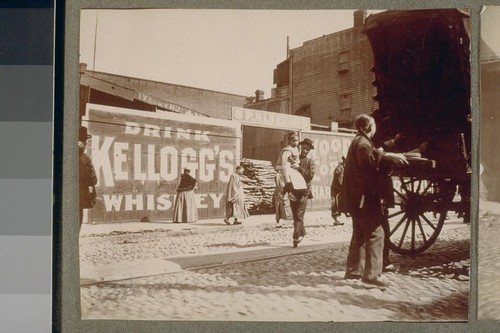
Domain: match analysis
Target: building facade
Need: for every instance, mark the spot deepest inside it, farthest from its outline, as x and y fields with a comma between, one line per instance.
x=328, y=79
x=147, y=95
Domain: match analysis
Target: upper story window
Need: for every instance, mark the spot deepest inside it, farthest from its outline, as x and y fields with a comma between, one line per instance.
x=343, y=62
x=345, y=101
x=304, y=110
x=345, y=115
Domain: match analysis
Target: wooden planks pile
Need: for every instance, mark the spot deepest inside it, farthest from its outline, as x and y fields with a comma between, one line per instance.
x=258, y=184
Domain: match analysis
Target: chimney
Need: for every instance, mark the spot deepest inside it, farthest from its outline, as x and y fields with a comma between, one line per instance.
x=259, y=95
x=359, y=17
x=334, y=126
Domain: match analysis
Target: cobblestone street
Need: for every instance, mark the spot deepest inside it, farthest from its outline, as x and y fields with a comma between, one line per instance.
x=252, y=273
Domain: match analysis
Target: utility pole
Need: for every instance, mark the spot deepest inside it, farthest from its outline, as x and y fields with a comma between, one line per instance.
x=287, y=46
x=95, y=39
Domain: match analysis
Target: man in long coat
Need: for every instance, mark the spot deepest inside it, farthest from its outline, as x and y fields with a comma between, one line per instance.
x=87, y=174
x=235, y=198
x=362, y=197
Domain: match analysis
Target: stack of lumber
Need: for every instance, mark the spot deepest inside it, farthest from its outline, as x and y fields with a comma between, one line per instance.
x=258, y=184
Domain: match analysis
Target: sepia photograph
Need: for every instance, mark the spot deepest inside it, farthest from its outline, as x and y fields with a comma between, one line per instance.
x=488, y=297
x=278, y=165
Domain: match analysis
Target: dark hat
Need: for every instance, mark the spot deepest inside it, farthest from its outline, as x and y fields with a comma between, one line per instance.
x=307, y=141
x=83, y=134
x=187, y=170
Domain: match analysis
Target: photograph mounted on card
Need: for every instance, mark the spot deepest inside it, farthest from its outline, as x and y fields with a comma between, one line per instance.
x=195, y=125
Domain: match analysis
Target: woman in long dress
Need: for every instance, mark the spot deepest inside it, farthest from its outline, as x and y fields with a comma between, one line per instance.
x=185, y=209
x=235, y=202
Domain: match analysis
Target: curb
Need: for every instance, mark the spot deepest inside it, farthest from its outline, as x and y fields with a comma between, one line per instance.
x=101, y=273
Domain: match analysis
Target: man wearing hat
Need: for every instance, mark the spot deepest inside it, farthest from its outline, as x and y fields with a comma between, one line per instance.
x=298, y=197
x=87, y=175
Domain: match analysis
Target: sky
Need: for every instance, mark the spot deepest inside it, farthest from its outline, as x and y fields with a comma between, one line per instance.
x=232, y=51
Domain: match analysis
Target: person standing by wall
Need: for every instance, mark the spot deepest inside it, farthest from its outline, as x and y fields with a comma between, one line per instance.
x=363, y=201
x=235, y=198
x=298, y=198
x=338, y=179
x=288, y=156
x=185, y=209
x=87, y=175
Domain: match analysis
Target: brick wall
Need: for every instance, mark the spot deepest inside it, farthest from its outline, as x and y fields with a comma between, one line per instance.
x=317, y=78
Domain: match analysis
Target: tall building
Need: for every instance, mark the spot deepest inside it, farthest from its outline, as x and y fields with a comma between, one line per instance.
x=328, y=79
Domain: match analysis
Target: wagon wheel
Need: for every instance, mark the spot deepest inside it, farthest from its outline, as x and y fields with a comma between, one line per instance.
x=419, y=214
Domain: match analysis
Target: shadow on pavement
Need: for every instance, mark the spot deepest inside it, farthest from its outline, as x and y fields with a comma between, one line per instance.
x=407, y=299
x=441, y=253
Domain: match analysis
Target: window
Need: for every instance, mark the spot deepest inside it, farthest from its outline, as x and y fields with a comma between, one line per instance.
x=343, y=62
x=304, y=110
x=345, y=108
x=345, y=101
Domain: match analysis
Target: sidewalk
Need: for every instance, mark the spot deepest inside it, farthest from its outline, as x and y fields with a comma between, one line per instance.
x=210, y=225
x=196, y=227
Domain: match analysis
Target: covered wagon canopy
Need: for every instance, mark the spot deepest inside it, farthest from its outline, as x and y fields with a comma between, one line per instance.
x=422, y=70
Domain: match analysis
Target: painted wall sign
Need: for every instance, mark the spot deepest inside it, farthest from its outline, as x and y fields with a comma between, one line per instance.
x=270, y=119
x=328, y=151
x=139, y=156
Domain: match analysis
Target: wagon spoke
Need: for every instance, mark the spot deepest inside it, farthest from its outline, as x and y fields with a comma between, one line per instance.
x=395, y=214
x=397, y=225
x=428, y=222
x=406, y=183
x=403, y=235
x=400, y=194
x=429, y=185
x=413, y=234
x=403, y=185
x=418, y=187
x=421, y=229
x=412, y=184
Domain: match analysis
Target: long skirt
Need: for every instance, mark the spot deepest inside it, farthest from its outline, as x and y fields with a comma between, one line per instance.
x=281, y=202
x=237, y=209
x=185, y=207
